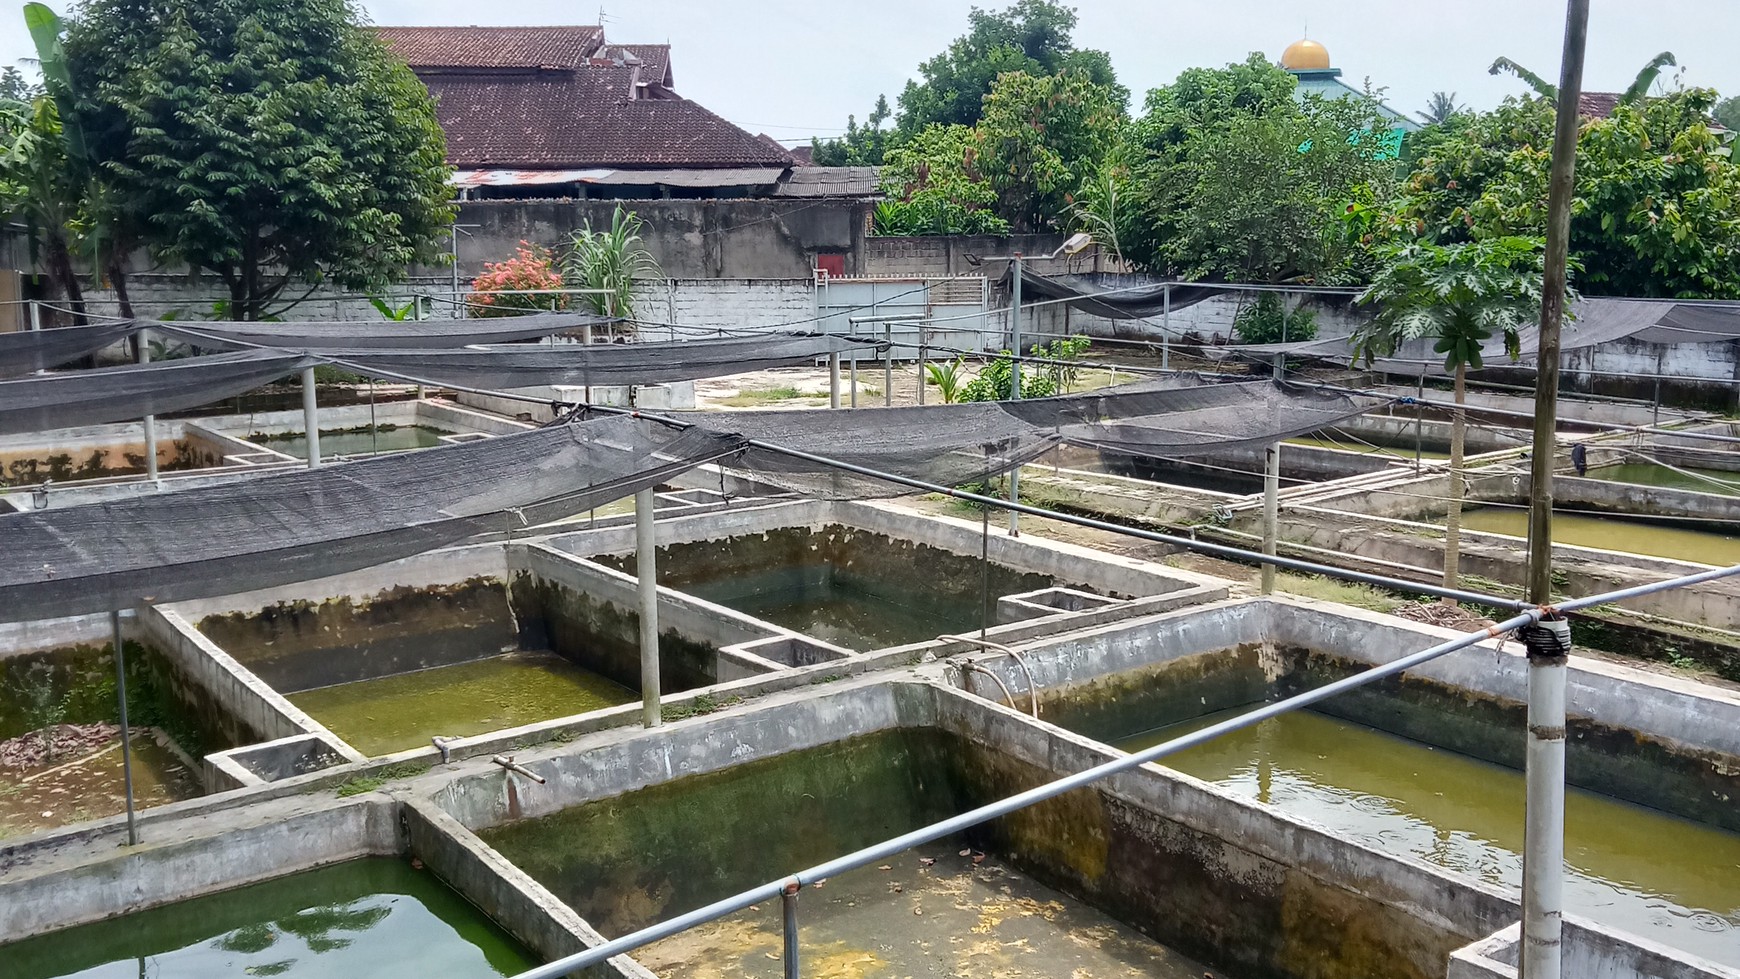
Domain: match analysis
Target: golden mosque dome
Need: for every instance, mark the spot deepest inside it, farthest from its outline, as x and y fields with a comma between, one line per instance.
x=1305, y=55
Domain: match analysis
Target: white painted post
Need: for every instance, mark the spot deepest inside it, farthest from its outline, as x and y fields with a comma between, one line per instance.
x=646, y=571
x=1166, y=329
x=852, y=368
x=1543, y=882
x=35, y=316
x=1271, y=511
x=834, y=380
x=310, y=417
x=144, y=338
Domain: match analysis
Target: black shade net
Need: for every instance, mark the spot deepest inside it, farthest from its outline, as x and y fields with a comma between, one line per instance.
x=599, y=364
x=40, y=350
x=1109, y=296
x=1159, y=419
x=378, y=334
x=956, y=444
x=59, y=400
x=285, y=527
x=1592, y=322
x=948, y=444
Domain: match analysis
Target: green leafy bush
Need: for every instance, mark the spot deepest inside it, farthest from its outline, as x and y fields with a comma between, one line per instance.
x=1267, y=321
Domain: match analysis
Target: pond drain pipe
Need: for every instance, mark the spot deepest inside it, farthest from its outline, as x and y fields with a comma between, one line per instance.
x=507, y=762
x=126, y=729
x=1021, y=661
x=647, y=590
x=1003, y=807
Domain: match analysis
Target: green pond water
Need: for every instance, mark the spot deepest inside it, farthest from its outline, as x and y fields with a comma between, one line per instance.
x=1404, y=452
x=405, y=710
x=809, y=601
x=1667, y=879
x=1682, y=477
x=349, y=443
x=1614, y=534
x=377, y=918
x=927, y=913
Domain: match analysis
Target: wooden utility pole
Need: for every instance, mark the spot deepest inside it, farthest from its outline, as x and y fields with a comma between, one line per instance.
x=1549, y=643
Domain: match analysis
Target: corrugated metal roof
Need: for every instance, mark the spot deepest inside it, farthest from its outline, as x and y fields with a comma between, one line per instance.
x=831, y=182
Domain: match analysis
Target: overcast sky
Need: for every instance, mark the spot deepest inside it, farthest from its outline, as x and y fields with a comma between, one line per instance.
x=796, y=68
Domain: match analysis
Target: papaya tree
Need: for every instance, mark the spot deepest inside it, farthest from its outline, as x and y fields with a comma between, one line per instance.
x=1459, y=297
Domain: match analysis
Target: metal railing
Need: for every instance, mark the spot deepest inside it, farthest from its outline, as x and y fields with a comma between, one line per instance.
x=787, y=888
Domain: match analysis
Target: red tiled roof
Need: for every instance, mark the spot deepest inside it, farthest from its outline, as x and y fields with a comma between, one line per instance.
x=1597, y=105
x=584, y=118
x=493, y=47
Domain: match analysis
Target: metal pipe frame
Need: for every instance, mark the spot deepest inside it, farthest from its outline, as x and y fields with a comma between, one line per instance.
x=881, y=851
x=126, y=729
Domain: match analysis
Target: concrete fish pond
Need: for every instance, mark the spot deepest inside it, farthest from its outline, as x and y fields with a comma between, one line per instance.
x=374, y=917
x=1427, y=767
x=630, y=861
x=445, y=756
x=60, y=757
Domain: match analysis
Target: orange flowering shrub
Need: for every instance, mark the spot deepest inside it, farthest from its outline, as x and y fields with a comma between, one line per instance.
x=493, y=292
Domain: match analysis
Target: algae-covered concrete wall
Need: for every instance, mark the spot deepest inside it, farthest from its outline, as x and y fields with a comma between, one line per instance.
x=291, y=644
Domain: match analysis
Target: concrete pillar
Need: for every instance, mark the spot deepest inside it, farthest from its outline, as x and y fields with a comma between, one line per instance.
x=833, y=380
x=144, y=339
x=310, y=417
x=646, y=571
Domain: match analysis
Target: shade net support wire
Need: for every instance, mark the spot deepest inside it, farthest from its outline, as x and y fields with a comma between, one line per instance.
x=978, y=499
x=1068, y=783
x=276, y=529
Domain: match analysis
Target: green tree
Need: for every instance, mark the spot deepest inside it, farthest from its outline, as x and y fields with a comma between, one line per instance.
x=1657, y=205
x=1030, y=36
x=935, y=186
x=1232, y=179
x=1638, y=88
x=1458, y=296
x=268, y=143
x=1727, y=113
x=15, y=89
x=1040, y=138
x=1441, y=108
x=40, y=188
x=862, y=146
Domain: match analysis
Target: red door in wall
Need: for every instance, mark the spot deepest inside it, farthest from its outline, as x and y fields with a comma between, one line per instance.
x=834, y=264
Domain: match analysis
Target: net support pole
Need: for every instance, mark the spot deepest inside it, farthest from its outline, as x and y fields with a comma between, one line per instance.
x=833, y=380
x=788, y=914
x=647, y=590
x=144, y=340
x=126, y=729
x=35, y=316
x=1166, y=328
x=310, y=417
x=887, y=365
x=1419, y=416
x=1271, y=512
x=852, y=381
x=922, y=357
x=1015, y=382
x=1544, y=772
